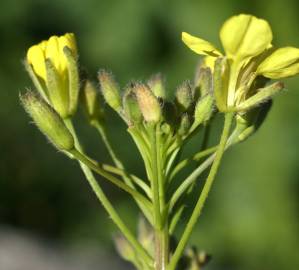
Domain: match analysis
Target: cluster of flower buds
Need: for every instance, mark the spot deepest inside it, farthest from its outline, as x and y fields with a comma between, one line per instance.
x=146, y=103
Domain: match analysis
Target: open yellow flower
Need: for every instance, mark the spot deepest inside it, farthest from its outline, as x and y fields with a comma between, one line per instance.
x=249, y=55
x=52, y=65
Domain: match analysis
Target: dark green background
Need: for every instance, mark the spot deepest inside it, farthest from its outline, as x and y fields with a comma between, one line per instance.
x=251, y=220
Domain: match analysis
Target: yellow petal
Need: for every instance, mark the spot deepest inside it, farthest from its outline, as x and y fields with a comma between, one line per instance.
x=36, y=57
x=245, y=36
x=209, y=61
x=54, y=54
x=199, y=45
x=68, y=40
x=283, y=62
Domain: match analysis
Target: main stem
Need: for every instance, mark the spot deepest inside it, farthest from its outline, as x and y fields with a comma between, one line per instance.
x=204, y=193
x=160, y=217
x=106, y=203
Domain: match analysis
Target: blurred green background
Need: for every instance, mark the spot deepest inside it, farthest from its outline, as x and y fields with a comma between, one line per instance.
x=251, y=220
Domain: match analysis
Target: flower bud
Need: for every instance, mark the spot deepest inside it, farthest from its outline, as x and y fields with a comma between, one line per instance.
x=184, y=125
x=183, y=97
x=157, y=85
x=91, y=101
x=148, y=103
x=131, y=107
x=202, y=82
x=48, y=121
x=203, y=111
x=110, y=90
x=220, y=81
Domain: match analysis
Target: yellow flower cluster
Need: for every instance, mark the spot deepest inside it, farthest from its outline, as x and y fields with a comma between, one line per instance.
x=249, y=53
x=52, y=65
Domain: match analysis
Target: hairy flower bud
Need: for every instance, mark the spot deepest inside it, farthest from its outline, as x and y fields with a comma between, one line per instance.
x=185, y=124
x=157, y=85
x=203, y=111
x=131, y=108
x=110, y=90
x=183, y=97
x=48, y=121
x=91, y=101
x=202, y=82
x=148, y=103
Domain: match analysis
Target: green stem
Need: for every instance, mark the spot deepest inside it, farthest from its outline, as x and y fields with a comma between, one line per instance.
x=139, y=182
x=160, y=222
x=128, y=178
x=186, y=161
x=204, y=193
x=82, y=158
x=155, y=178
x=101, y=129
x=107, y=205
x=200, y=169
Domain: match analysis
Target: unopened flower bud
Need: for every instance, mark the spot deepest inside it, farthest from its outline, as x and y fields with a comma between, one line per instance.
x=203, y=111
x=48, y=121
x=91, y=101
x=183, y=96
x=131, y=108
x=185, y=124
x=157, y=85
x=202, y=82
x=220, y=81
x=110, y=90
x=148, y=103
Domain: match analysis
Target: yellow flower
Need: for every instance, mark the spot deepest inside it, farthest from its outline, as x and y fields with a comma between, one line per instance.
x=249, y=55
x=52, y=65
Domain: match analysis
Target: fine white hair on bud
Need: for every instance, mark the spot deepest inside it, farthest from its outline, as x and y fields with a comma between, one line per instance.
x=110, y=90
x=148, y=103
x=48, y=121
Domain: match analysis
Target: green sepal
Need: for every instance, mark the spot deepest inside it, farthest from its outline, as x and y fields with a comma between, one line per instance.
x=262, y=95
x=220, y=83
x=38, y=83
x=57, y=89
x=73, y=79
